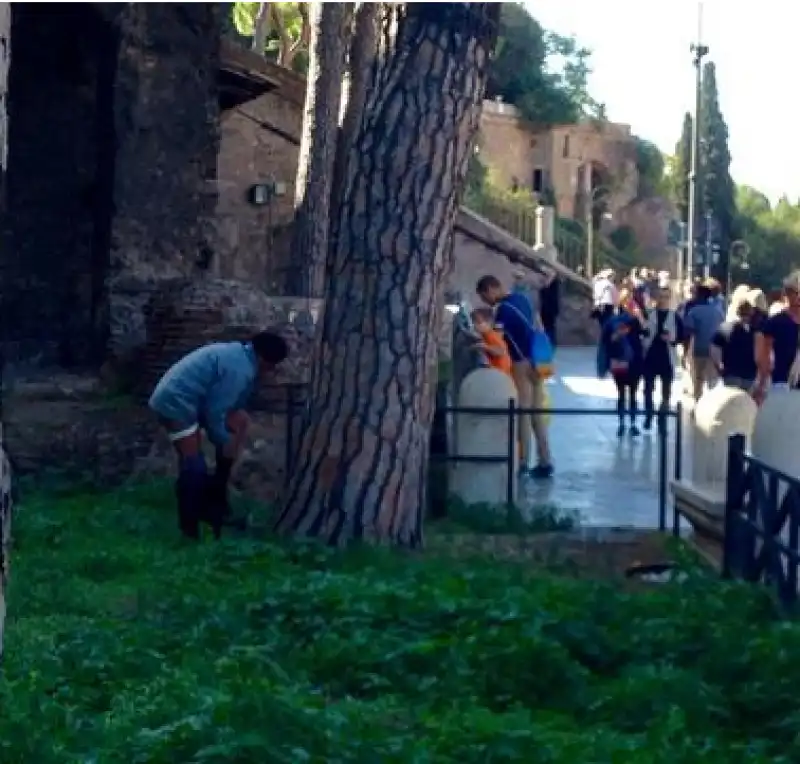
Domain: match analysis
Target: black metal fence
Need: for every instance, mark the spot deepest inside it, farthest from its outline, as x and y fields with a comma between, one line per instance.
x=762, y=523
x=509, y=457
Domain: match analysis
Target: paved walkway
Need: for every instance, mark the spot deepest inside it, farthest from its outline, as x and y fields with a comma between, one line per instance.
x=610, y=481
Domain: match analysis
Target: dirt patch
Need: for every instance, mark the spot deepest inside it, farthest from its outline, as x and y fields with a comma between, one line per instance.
x=584, y=553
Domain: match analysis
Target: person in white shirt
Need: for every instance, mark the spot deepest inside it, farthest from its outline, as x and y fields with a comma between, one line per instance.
x=605, y=296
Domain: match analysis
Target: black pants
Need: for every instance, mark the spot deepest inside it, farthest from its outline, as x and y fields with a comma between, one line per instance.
x=627, y=387
x=602, y=314
x=549, y=326
x=666, y=376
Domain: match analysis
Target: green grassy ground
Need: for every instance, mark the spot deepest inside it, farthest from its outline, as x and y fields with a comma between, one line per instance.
x=126, y=645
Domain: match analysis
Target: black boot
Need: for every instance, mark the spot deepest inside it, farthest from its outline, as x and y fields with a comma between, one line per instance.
x=188, y=516
x=220, y=507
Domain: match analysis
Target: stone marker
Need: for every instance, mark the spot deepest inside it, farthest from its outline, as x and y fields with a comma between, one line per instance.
x=776, y=439
x=483, y=435
x=720, y=412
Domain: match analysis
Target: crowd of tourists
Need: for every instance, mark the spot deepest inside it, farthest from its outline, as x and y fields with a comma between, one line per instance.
x=644, y=337
x=740, y=342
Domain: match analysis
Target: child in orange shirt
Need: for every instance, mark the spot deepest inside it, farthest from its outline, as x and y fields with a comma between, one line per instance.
x=491, y=341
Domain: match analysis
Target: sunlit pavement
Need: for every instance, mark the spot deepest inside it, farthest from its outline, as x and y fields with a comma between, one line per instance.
x=610, y=481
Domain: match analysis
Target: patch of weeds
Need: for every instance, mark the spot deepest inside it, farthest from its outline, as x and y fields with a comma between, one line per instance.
x=502, y=519
x=125, y=644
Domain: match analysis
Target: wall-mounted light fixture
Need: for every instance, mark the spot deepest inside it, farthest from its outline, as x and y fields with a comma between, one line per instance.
x=260, y=194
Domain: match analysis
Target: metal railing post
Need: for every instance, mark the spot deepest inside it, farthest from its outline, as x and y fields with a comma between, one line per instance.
x=678, y=466
x=662, y=469
x=733, y=484
x=511, y=452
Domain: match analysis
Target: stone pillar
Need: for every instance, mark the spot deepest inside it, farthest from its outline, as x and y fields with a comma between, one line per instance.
x=484, y=435
x=545, y=226
x=720, y=412
x=776, y=440
x=167, y=129
x=545, y=234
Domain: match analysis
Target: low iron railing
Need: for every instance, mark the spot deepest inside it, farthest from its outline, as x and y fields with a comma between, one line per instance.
x=762, y=523
x=509, y=458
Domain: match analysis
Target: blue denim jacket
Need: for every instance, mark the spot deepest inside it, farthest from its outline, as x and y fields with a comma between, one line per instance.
x=204, y=386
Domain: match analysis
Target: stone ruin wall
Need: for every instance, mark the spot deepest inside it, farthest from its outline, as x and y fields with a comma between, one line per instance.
x=166, y=208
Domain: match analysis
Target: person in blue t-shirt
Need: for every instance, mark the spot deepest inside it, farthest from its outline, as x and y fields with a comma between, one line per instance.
x=515, y=315
x=207, y=390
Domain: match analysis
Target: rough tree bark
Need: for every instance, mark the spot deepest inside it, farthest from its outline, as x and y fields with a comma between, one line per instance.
x=261, y=28
x=360, y=68
x=318, y=148
x=362, y=465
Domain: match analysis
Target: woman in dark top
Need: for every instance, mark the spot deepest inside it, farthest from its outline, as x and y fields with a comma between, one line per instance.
x=660, y=337
x=778, y=341
x=733, y=346
x=622, y=338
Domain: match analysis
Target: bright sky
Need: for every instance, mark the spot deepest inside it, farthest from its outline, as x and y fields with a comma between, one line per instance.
x=643, y=73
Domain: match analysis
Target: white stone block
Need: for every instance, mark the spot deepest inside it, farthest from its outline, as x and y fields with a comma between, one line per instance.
x=776, y=438
x=720, y=412
x=483, y=435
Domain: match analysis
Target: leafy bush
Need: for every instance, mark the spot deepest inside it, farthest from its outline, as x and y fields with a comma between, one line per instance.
x=127, y=645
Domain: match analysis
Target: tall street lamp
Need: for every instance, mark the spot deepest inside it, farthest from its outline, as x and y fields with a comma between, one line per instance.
x=699, y=52
x=591, y=202
x=742, y=249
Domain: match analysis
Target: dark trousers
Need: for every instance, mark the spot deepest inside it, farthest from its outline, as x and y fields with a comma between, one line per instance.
x=602, y=314
x=666, y=376
x=627, y=388
x=549, y=326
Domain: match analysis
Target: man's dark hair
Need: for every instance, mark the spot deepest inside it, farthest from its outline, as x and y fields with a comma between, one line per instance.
x=270, y=347
x=487, y=282
x=703, y=292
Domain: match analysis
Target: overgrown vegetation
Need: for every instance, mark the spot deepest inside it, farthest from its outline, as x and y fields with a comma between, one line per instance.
x=125, y=645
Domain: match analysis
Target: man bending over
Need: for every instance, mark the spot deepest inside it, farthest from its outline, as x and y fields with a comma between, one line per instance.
x=208, y=389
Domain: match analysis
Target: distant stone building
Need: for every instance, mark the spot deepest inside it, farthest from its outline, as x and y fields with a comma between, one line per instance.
x=563, y=161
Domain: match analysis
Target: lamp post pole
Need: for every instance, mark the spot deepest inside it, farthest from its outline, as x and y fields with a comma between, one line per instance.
x=743, y=248
x=591, y=201
x=699, y=52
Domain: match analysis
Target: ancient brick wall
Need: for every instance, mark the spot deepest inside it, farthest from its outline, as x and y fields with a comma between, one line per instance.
x=259, y=144
x=167, y=134
x=58, y=189
x=113, y=141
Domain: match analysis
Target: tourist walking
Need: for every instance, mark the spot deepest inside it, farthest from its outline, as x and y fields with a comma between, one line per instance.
x=733, y=347
x=622, y=341
x=208, y=390
x=605, y=296
x=515, y=315
x=777, y=342
x=658, y=344
x=701, y=323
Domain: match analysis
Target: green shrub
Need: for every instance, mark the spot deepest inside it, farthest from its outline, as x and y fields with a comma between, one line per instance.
x=127, y=645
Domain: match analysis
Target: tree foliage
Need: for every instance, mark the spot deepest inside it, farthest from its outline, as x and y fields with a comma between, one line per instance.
x=718, y=191
x=681, y=168
x=650, y=166
x=279, y=31
x=543, y=74
x=772, y=234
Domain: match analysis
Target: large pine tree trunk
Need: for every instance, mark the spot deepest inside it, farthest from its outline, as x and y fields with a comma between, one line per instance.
x=318, y=148
x=362, y=465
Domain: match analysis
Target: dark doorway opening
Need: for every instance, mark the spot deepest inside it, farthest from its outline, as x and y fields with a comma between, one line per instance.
x=59, y=185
